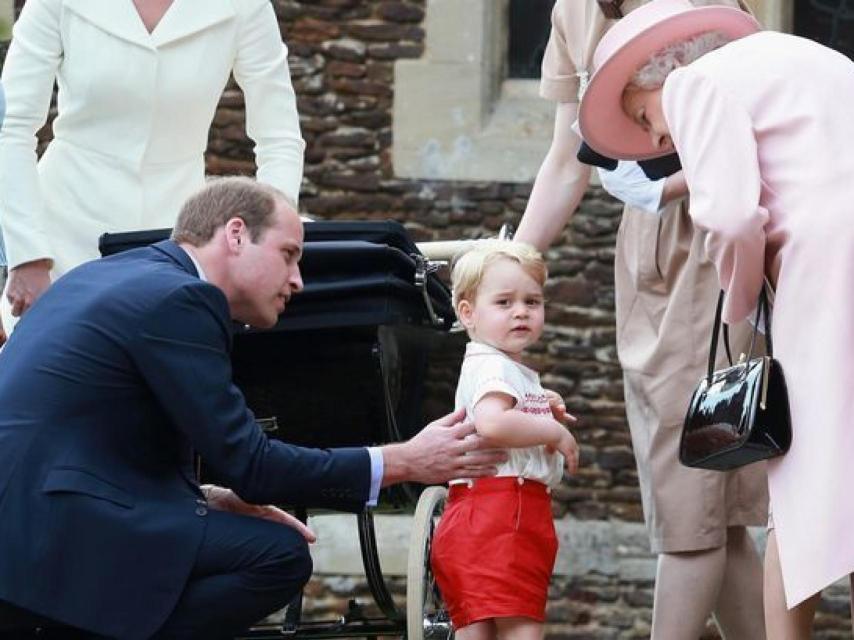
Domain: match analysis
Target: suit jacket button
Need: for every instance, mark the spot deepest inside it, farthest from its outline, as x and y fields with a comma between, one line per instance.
x=201, y=511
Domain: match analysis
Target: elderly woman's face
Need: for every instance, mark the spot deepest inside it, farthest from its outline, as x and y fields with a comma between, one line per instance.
x=644, y=107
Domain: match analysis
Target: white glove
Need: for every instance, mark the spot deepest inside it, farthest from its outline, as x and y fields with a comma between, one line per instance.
x=629, y=183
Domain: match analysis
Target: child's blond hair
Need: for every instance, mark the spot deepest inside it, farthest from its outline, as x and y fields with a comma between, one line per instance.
x=469, y=268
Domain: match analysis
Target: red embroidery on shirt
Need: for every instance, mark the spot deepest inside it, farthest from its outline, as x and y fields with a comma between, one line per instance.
x=536, y=410
x=536, y=403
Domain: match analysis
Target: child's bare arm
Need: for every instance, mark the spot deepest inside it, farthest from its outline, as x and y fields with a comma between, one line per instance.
x=497, y=420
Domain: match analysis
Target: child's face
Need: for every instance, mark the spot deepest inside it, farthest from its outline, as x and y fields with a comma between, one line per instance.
x=507, y=312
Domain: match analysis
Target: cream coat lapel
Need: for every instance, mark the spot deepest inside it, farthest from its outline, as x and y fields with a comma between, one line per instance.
x=116, y=17
x=183, y=18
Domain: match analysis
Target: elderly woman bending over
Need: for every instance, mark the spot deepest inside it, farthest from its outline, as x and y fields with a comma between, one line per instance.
x=763, y=127
x=696, y=520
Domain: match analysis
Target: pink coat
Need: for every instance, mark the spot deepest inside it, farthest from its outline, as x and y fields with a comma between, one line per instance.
x=765, y=131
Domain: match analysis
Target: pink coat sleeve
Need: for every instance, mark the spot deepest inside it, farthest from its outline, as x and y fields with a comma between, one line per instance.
x=714, y=136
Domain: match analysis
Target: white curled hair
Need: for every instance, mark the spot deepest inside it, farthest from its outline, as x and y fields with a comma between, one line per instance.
x=679, y=54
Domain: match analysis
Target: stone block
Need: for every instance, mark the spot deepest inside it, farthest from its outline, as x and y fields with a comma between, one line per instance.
x=395, y=50
x=346, y=69
x=374, y=31
x=400, y=12
x=347, y=49
x=456, y=31
x=312, y=30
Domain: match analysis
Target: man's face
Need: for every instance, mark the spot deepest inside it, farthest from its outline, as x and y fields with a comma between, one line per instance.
x=644, y=107
x=265, y=273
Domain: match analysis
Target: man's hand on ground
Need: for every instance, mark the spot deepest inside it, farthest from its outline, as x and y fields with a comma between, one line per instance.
x=445, y=449
x=226, y=500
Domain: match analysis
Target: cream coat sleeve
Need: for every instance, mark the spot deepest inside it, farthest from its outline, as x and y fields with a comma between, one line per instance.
x=261, y=70
x=714, y=136
x=28, y=77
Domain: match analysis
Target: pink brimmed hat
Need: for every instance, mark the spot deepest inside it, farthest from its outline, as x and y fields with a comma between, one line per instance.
x=627, y=46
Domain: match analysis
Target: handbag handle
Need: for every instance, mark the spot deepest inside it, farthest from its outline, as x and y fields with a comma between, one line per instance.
x=762, y=313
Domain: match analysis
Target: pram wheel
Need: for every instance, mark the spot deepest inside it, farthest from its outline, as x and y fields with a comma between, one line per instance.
x=426, y=616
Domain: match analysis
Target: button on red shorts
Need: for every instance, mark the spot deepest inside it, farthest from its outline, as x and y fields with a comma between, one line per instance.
x=494, y=550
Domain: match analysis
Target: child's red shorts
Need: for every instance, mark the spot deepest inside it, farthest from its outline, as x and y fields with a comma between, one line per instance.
x=494, y=550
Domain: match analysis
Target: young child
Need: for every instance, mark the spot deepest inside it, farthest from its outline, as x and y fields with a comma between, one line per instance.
x=495, y=546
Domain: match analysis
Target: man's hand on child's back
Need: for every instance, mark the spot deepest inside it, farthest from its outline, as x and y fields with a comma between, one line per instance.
x=446, y=448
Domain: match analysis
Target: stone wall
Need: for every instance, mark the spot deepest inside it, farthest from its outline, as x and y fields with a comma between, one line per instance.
x=602, y=587
x=592, y=606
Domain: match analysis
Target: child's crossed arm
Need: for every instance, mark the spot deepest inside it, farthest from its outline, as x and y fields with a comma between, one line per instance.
x=497, y=420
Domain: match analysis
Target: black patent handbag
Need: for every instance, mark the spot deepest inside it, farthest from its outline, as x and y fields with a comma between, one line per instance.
x=739, y=414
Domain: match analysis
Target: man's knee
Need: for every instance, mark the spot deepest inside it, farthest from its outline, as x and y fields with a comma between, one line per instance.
x=303, y=564
x=288, y=566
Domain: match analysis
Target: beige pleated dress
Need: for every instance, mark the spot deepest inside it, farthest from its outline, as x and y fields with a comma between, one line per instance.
x=666, y=292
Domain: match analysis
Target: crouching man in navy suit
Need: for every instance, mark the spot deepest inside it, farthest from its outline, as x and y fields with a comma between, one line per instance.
x=110, y=382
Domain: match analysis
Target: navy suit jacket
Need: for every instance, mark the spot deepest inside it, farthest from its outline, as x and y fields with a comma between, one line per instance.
x=107, y=385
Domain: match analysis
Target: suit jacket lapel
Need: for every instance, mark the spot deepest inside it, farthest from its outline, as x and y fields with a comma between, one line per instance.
x=182, y=19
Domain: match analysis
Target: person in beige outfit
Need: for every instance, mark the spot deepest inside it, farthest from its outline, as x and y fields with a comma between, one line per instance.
x=665, y=295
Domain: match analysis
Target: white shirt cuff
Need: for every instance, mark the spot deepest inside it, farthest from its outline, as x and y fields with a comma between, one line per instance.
x=629, y=183
x=376, y=475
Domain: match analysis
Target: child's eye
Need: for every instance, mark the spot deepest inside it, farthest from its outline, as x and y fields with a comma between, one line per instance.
x=534, y=302
x=503, y=302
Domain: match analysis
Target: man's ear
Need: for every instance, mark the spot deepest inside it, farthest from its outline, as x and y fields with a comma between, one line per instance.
x=465, y=311
x=235, y=234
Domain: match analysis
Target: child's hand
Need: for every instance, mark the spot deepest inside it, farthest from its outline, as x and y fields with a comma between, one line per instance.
x=569, y=448
x=558, y=407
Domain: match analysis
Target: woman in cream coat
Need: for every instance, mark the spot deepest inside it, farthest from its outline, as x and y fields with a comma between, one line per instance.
x=139, y=82
x=765, y=143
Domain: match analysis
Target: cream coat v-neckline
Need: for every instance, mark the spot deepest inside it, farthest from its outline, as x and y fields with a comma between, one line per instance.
x=160, y=18
x=182, y=19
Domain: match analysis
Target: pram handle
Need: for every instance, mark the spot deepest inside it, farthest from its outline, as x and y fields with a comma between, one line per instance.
x=447, y=250
x=444, y=250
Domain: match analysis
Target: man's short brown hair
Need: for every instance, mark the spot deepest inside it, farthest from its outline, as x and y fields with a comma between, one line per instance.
x=222, y=199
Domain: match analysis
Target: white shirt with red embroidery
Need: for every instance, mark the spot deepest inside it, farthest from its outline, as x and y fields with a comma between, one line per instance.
x=486, y=370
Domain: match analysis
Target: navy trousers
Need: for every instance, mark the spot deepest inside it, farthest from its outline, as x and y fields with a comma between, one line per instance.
x=246, y=569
